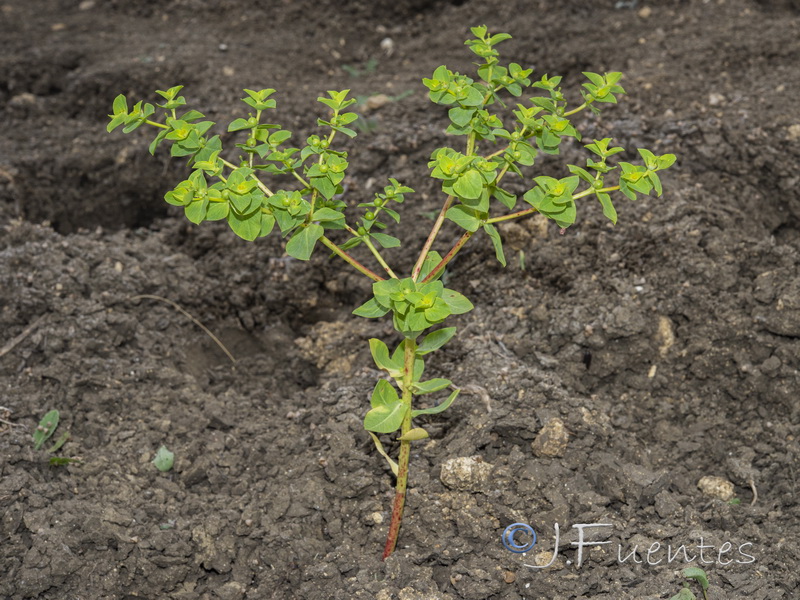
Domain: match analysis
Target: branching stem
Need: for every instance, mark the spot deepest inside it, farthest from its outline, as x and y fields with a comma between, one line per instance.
x=431, y=237
x=448, y=257
x=378, y=257
x=350, y=260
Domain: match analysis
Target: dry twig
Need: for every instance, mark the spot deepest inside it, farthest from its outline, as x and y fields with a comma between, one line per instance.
x=191, y=318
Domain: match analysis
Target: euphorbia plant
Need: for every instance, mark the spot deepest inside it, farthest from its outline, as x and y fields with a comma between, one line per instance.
x=312, y=209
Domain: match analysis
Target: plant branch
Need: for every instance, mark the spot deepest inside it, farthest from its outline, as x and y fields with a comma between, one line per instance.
x=350, y=260
x=516, y=215
x=377, y=255
x=590, y=191
x=448, y=257
x=431, y=237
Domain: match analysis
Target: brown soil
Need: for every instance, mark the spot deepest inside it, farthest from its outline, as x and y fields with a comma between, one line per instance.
x=668, y=346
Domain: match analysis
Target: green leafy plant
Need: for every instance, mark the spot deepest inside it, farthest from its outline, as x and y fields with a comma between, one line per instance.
x=699, y=575
x=311, y=210
x=44, y=431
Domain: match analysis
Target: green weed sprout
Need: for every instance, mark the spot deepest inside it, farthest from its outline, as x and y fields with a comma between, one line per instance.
x=164, y=459
x=311, y=210
x=699, y=575
x=44, y=431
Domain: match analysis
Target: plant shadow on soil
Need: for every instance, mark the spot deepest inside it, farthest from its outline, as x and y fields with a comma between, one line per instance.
x=666, y=346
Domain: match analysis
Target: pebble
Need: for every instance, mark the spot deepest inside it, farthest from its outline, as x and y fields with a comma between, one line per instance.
x=716, y=487
x=465, y=473
x=551, y=440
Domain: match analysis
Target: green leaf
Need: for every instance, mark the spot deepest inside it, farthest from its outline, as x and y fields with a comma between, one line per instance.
x=324, y=186
x=239, y=125
x=498, y=37
x=432, y=385
x=656, y=181
x=45, y=429
x=279, y=137
x=492, y=232
x=164, y=459
x=469, y=184
x=380, y=354
x=436, y=409
x=698, y=575
x=684, y=594
x=195, y=211
x=370, y=309
x=479, y=31
x=435, y=340
x=508, y=199
x=247, y=227
x=120, y=104
x=267, y=223
x=665, y=161
x=464, y=216
x=382, y=452
x=414, y=435
x=327, y=214
x=387, y=412
x=461, y=116
x=438, y=312
x=302, y=243
x=608, y=208
x=458, y=303
x=217, y=211
x=62, y=439
x=386, y=241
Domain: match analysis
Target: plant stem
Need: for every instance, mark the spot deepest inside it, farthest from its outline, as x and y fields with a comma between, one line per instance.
x=448, y=257
x=378, y=256
x=613, y=188
x=410, y=348
x=350, y=260
x=431, y=237
x=516, y=215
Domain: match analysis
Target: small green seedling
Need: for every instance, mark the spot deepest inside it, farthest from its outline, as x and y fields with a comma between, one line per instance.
x=699, y=575
x=269, y=184
x=164, y=459
x=44, y=431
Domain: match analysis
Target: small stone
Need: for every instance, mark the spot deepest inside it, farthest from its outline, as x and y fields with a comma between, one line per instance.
x=387, y=45
x=715, y=99
x=645, y=12
x=375, y=102
x=468, y=473
x=377, y=518
x=771, y=365
x=551, y=440
x=542, y=559
x=509, y=577
x=716, y=487
x=793, y=132
x=665, y=336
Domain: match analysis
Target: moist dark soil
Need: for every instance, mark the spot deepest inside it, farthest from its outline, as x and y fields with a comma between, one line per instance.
x=666, y=348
